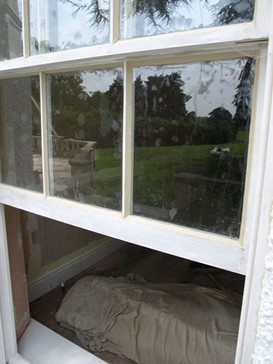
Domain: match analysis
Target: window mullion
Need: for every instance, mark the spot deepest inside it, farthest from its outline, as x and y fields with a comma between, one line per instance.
x=127, y=165
x=2, y=353
x=44, y=132
x=128, y=21
x=6, y=305
x=114, y=21
x=25, y=20
x=262, y=15
x=41, y=26
x=259, y=224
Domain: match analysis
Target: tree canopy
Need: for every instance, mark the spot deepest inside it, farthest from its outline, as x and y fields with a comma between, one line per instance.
x=160, y=100
x=161, y=96
x=157, y=11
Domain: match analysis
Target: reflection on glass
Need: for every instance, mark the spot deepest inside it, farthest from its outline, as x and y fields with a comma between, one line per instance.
x=20, y=140
x=191, y=140
x=63, y=24
x=86, y=136
x=11, y=45
x=143, y=18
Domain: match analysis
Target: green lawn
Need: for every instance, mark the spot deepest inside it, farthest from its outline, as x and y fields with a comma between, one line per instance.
x=155, y=168
x=214, y=205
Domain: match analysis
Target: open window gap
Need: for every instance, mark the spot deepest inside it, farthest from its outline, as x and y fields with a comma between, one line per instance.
x=65, y=255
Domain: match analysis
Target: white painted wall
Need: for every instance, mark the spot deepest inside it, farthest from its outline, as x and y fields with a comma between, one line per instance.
x=263, y=353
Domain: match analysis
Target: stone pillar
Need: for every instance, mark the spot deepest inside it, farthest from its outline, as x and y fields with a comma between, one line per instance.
x=82, y=166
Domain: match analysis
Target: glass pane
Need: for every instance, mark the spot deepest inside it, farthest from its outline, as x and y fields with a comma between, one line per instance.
x=63, y=24
x=191, y=141
x=86, y=136
x=20, y=140
x=11, y=45
x=143, y=18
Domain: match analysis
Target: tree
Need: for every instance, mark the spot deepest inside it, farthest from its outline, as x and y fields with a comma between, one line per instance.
x=161, y=96
x=230, y=13
x=158, y=11
x=113, y=117
x=154, y=10
x=242, y=98
x=165, y=96
x=98, y=14
x=69, y=101
x=140, y=96
x=220, y=114
x=115, y=95
x=161, y=117
x=154, y=98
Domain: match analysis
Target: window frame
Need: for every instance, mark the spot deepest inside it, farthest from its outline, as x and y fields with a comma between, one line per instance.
x=209, y=248
x=197, y=245
x=2, y=352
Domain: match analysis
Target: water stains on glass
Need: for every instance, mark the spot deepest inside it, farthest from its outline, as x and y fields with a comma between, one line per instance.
x=86, y=136
x=191, y=142
x=145, y=18
x=57, y=25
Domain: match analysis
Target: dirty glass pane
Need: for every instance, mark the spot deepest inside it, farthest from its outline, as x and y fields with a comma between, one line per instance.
x=11, y=45
x=57, y=25
x=191, y=142
x=20, y=140
x=143, y=18
x=86, y=136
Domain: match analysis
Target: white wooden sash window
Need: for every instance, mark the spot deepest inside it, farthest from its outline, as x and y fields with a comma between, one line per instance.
x=127, y=47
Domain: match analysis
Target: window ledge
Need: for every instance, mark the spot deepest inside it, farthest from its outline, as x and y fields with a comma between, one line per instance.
x=40, y=345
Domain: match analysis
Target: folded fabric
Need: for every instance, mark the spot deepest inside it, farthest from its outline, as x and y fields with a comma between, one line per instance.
x=152, y=323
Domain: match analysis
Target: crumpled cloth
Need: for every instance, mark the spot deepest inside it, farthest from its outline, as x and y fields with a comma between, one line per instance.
x=152, y=323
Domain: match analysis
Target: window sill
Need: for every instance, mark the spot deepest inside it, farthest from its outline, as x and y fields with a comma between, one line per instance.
x=40, y=345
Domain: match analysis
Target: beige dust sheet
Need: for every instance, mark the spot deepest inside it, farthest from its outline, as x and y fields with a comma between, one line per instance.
x=152, y=323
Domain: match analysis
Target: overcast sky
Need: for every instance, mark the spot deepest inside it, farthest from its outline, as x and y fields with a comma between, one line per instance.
x=63, y=25
x=210, y=84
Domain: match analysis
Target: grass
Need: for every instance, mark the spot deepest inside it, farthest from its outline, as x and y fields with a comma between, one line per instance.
x=214, y=206
x=212, y=203
x=155, y=168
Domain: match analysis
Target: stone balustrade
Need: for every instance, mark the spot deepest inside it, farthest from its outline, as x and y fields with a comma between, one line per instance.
x=67, y=148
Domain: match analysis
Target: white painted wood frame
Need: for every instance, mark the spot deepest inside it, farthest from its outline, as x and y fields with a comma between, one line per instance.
x=2, y=348
x=245, y=255
x=6, y=306
x=223, y=252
